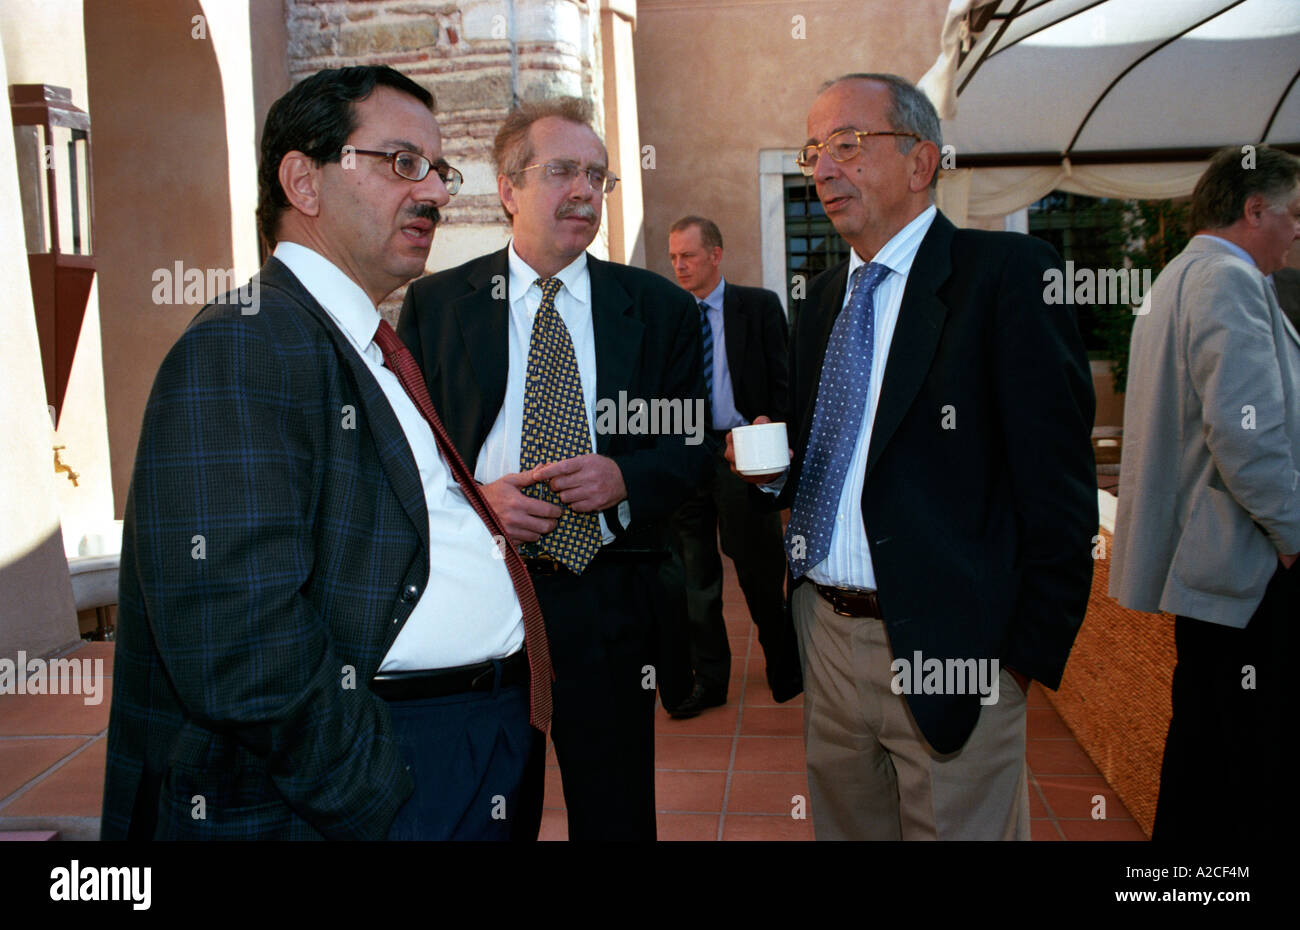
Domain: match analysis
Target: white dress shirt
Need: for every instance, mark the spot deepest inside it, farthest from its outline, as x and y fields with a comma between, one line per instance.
x=468, y=611
x=500, y=453
x=848, y=564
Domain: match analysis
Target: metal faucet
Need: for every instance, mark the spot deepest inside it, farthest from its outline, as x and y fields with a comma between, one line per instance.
x=60, y=467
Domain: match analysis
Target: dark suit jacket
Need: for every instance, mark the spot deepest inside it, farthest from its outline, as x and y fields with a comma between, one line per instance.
x=980, y=535
x=242, y=666
x=754, y=330
x=647, y=345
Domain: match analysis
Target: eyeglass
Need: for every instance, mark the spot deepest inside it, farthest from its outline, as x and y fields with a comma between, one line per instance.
x=563, y=172
x=841, y=146
x=414, y=167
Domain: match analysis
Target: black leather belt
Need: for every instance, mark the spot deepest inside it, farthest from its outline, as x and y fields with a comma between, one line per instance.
x=440, y=682
x=549, y=565
x=849, y=603
x=545, y=565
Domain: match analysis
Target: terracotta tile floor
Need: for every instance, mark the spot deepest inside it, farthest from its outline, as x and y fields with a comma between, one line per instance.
x=52, y=757
x=733, y=773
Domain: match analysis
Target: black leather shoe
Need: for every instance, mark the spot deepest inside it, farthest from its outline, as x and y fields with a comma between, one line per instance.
x=787, y=690
x=701, y=697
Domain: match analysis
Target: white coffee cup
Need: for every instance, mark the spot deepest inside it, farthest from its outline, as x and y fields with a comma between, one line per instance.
x=761, y=449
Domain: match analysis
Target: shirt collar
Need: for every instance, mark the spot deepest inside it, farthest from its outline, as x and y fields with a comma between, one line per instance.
x=343, y=299
x=714, y=297
x=573, y=275
x=1232, y=246
x=900, y=251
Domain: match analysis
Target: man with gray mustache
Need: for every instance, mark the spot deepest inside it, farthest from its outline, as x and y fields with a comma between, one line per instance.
x=517, y=348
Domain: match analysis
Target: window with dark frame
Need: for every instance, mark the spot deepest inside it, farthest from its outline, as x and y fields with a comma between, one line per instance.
x=811, y=243
x=1081, y=229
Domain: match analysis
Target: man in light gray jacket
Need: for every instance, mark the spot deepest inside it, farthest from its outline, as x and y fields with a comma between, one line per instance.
x=1208, y=526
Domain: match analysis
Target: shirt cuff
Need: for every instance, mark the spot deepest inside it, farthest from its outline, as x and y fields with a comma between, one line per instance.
x=624, y=514
x=776, y=485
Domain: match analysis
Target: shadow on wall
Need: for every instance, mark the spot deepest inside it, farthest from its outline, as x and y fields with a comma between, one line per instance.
x=28, y=619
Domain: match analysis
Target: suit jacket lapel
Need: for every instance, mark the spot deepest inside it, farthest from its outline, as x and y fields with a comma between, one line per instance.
x=733, y=333
x=391, y=446
x=916, y=336
x=484, y=321
x=617, y=336
x=825, y=313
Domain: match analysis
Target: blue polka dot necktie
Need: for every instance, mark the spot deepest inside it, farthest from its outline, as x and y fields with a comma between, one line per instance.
x=706, y=336
x=555, y=428
x=841, y=405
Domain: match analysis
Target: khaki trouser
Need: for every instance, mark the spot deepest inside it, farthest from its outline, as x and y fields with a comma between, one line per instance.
x=871, y=774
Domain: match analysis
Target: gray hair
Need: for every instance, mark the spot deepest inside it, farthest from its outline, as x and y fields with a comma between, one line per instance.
x=910, y=110
x=512, y=149
x=1220, y=195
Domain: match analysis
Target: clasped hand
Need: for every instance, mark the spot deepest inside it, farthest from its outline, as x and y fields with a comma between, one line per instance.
x=585, y=483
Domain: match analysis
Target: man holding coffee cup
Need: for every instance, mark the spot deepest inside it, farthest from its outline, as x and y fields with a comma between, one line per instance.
x=942, y=489
x=743, y=333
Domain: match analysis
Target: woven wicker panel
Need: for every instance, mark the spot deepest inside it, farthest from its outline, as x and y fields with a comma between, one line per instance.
x=1115, y=694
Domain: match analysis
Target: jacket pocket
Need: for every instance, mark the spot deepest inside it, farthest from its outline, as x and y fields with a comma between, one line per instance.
x=198, y=806
x=1221, y=551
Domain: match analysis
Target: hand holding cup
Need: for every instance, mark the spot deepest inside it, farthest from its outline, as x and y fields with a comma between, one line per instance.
x=759, y=453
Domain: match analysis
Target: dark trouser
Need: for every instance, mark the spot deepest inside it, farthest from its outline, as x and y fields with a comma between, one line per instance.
x=722, y=509
x=601, y=631
x=468, y=754
x=1225, y=756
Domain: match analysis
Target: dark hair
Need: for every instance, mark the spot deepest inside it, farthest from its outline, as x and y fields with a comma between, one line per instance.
x=910, y=110
x=316, y=117
x=1220, y=196
x=512, y=149
x=710, y=235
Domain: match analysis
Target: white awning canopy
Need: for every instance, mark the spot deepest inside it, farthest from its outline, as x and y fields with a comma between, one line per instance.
x=1116, y=98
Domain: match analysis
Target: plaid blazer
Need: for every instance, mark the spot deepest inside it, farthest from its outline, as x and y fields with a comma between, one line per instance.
x=275, y=542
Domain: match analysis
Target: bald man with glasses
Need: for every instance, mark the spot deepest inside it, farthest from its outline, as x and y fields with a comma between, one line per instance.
x=942, y=492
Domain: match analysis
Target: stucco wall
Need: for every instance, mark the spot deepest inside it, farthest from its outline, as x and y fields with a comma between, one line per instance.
x=720, y=80
x=43, y=45
x=36, y=609
x=174, y=154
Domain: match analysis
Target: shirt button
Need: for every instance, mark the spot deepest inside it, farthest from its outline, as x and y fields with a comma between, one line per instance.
x=410, y=593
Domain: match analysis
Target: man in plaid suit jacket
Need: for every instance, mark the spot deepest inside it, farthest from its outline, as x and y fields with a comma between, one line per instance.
x=276, y=537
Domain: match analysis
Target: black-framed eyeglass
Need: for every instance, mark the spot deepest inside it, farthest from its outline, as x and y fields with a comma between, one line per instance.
x=564, y=172
x=841, y=146
x=415, y=167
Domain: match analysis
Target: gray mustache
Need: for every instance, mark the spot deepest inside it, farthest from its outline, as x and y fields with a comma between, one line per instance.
x=582, y=210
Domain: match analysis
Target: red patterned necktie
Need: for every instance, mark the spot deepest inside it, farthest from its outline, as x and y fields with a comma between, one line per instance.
x=401, y=363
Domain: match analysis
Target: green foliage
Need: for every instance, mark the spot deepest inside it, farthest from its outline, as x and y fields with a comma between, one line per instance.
x=1150, y=234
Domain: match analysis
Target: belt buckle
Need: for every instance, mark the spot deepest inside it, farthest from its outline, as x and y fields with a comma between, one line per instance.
x=838, y=599
x=839, y=606
x=545, y=564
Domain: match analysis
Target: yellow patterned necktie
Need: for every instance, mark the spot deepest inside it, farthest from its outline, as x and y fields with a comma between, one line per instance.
x=555, y=428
